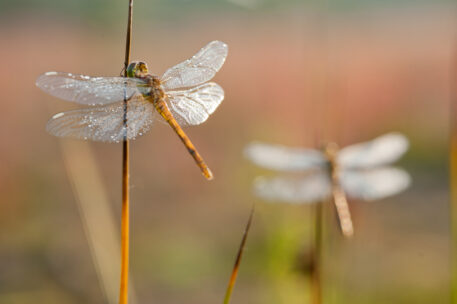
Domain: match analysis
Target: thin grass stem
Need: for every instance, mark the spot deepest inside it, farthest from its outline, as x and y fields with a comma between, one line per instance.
x=316, y=254
x=231, y=284
x=453, y=176
x=123, y=292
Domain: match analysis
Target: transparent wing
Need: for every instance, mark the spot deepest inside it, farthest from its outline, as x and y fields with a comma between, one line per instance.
x=278, y=157
x=193, y=106
x=312, y=188
x=375, y=183
x=104, y=123
x=198, y=69
x=382, y=150
x=88, y=90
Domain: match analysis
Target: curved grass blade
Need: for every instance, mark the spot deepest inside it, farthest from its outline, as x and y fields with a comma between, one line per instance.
x=96, y=214
x=231, y=284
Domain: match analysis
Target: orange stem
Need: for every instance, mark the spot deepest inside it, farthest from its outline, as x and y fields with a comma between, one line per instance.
x=123, y=293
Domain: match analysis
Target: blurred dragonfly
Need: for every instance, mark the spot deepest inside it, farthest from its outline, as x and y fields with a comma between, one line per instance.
x=360, y=171
x=182, y=96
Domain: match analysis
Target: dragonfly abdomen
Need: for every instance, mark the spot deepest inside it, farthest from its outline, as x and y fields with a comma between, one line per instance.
x=163, y=110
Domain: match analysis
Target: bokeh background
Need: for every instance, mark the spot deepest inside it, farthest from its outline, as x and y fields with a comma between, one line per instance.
x=297, y=71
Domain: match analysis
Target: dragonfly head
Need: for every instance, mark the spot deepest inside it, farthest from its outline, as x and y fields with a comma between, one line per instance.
x=137, y=69
x=331, y=150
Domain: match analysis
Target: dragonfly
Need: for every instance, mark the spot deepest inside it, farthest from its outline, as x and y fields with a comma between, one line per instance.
x=361, y=171
x=182, y=97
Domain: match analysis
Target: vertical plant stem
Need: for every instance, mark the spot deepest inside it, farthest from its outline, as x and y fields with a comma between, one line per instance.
x=231, y=284
x=123, y=296
x=123, y=293
x=128, y=38
x=316, y=269
x=453, y=175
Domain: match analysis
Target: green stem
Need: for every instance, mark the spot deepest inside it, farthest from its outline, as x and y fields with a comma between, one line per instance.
x=316, y=269
x=453, y=178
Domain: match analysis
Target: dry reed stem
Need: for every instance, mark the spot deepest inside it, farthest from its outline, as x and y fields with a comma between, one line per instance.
x=123, y=293
x=453, y=176
x=231, y=284
x=316, y=269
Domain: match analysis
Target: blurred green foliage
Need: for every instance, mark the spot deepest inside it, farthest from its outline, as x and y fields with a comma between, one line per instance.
x=105, y=12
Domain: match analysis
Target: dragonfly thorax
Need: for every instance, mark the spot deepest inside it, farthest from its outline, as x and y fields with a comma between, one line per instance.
x=153, y=88
x=331, y=152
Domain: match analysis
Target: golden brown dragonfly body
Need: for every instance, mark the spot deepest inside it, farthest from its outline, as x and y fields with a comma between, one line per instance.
x=156, y=95
x=338, y=194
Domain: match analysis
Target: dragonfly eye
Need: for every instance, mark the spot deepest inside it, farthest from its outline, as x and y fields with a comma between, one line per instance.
x=137, y=68
x=142, y=67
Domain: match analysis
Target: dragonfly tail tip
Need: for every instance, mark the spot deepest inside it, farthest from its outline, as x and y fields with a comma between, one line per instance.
x=208, y=174
x=348, y=233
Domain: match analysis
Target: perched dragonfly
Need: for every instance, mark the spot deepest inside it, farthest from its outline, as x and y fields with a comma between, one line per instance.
x=182, y=96
x=360, y=171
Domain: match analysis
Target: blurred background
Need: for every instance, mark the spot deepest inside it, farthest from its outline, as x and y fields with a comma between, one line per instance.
x=297, y=71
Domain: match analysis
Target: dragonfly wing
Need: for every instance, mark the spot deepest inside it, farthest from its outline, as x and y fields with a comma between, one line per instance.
x=88, y=90
x=375, y=183
x=382, y=150
x=198, y=69
x=312, y=188
x=278, y=157
x=104, y=123
x=193, y=106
